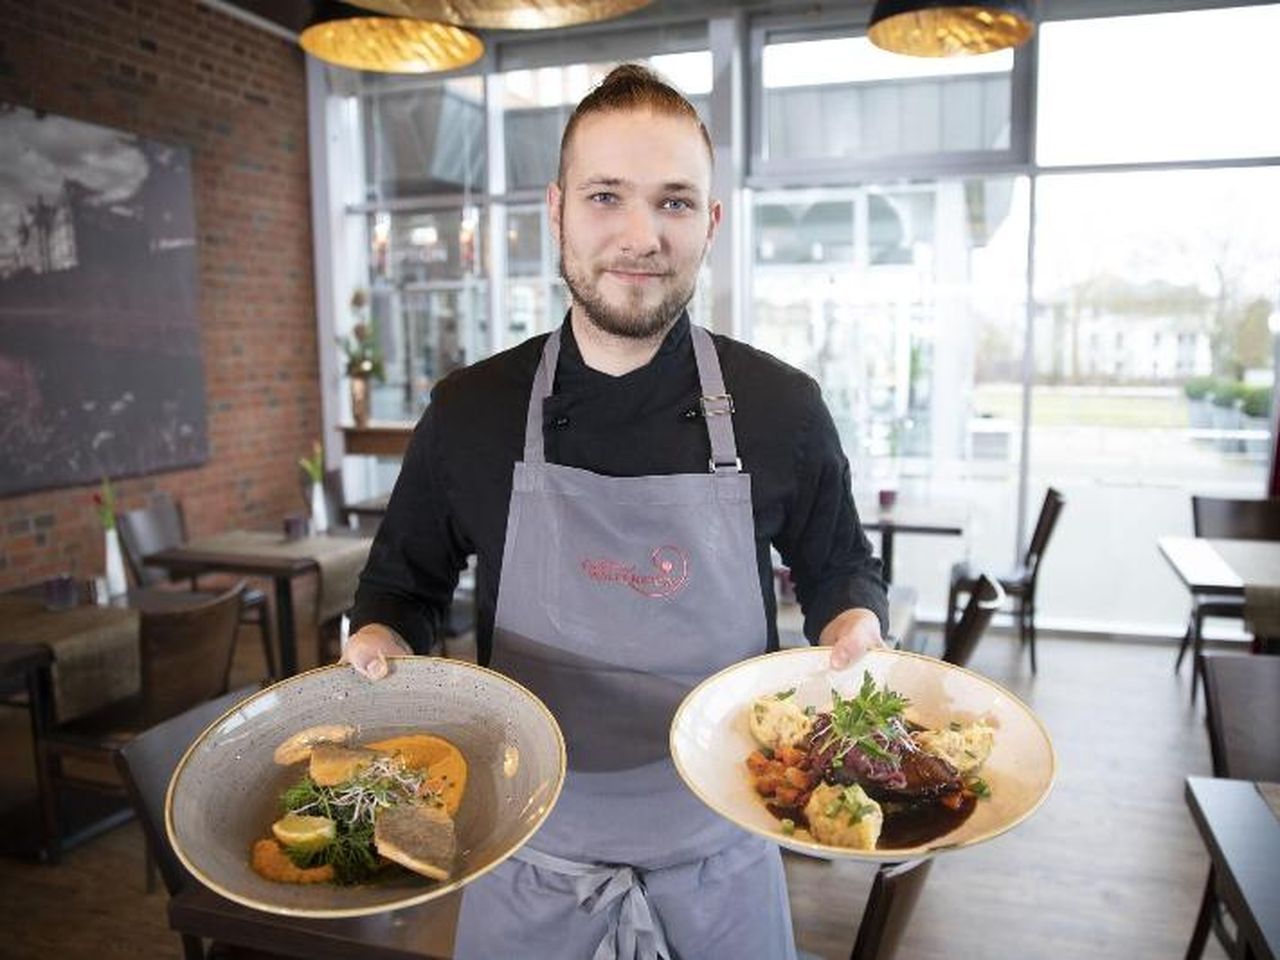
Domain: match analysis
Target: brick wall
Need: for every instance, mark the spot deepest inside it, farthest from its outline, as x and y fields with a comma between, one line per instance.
x=178, y=72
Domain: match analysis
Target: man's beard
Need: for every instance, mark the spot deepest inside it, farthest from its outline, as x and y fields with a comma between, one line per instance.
x=635, y=324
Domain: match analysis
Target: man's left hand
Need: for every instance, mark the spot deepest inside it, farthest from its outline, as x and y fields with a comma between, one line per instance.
x=850, y=635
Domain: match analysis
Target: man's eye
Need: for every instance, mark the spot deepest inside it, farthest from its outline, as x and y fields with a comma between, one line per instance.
x=676, y=203
x=603, y=198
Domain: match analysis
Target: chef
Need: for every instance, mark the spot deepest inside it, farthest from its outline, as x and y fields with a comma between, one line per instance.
x=621, y=482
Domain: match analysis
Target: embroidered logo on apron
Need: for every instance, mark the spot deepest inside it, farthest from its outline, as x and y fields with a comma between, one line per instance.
x=671, y=566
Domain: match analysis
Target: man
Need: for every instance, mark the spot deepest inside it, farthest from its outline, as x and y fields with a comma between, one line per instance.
x=621, y=482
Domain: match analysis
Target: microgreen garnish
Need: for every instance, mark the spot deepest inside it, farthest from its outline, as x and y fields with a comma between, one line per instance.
x=784, y=694
x=979, y=787
x=868, y=720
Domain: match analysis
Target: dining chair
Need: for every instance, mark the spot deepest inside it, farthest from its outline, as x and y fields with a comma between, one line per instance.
x=962, y=639
x=145, y=765
x=1228, y=519
x=1242, y=714
x=1020, y=583
x=892, y=900
x=185, y=660
x=161, y=525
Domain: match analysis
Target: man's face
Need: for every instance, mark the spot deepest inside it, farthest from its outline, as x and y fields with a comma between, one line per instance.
x=634, y=218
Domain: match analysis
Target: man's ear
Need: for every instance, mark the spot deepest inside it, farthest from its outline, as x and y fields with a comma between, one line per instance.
x=717, y=211
x=554, y=208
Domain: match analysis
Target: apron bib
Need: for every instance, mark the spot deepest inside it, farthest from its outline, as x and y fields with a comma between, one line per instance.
x=617, y=596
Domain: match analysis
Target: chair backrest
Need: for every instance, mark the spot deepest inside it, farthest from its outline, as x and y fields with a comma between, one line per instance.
x=147, y=762
x=157, y=526
x=1050, y=509
x=186, y=654
x=1236, y=519
x=893, y=897
x=962, y=639
x=1243, y=714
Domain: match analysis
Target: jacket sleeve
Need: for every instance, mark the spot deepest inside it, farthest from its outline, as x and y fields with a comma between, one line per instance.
x=822, y=540
x=418, y=552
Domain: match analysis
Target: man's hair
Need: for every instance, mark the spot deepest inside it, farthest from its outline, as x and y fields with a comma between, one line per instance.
x=631, y=87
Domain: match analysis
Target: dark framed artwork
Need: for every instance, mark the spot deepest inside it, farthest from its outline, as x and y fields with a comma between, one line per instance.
x=100, y=363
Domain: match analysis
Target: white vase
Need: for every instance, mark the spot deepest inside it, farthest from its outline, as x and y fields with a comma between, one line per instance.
x=117, y=585
x=319, y=510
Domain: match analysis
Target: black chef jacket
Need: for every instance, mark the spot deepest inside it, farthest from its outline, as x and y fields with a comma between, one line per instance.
x=451, y=498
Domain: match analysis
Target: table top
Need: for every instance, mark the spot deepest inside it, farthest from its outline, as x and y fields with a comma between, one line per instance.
x=1222, y=567
x=1242, y=834
x=250, y=552
x=908, y=516
x=418, y=933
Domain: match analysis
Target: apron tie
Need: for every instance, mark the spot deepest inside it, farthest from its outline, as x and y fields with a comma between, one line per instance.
x=635, y=932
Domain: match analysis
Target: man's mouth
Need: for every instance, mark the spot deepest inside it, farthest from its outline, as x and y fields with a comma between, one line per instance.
x=635, y=276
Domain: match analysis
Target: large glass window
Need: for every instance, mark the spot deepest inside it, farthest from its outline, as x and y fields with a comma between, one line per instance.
x=905, y=302
x=844, y=99
x=1154, y=366
x=1170, y=86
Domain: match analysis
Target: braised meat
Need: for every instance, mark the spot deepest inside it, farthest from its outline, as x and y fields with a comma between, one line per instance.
x=889, y=767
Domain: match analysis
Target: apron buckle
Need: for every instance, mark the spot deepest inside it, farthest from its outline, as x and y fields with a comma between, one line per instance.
x=716, y=405
x=734, y=466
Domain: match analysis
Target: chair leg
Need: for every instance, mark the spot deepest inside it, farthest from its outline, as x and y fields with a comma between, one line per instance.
x=1197, y=648
x=953, y=604
x=268, y=640
x=1186, y=643
x=1029, y=614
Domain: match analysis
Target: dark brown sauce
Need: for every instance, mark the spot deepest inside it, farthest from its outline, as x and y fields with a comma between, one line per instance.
x=911, y=826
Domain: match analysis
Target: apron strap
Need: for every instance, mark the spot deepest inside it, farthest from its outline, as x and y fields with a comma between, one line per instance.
x=635, y=932
x=543, y=381
x=715, y=402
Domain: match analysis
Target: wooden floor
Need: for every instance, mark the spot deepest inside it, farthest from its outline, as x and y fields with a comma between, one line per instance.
x=1111, y=866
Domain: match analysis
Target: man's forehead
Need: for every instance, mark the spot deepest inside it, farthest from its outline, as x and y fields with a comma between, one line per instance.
x=638, y=148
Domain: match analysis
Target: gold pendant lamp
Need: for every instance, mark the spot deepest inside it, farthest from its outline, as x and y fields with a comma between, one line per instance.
x=352, y=38
x=938, y=28
x=507, y=14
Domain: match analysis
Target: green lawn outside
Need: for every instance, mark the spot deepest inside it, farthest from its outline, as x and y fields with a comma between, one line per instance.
x=1084, y=406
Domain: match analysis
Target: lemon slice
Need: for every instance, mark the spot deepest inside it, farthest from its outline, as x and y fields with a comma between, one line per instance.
x=304, y=834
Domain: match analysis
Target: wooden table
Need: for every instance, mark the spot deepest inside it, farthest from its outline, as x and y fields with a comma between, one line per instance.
x=282, y=570
x=915, y=518
x=1222, y=567
x=1242, y=834
x=418, y=933
x=30, y=664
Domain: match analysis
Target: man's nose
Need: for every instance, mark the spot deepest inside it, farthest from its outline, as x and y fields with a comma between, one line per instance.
x=640, y=233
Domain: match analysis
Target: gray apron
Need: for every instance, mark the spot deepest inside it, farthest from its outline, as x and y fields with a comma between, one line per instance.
x=617, y=596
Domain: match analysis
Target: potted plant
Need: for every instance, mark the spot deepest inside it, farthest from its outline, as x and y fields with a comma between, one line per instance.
x=363, y=358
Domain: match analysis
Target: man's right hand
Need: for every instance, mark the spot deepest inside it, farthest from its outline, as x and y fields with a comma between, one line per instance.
x=368, y=648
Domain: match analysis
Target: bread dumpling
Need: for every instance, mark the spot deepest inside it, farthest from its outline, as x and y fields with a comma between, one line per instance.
x=965, y=747
x=777, y=722
x=844, y=817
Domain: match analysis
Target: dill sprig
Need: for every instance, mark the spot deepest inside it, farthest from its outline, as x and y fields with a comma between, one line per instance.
x=353, y=805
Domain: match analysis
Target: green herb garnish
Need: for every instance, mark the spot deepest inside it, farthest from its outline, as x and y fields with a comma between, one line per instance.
x=867, y=719
x=788, y=826
x=784, y=694
x=979, y=787
x=352, y=805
